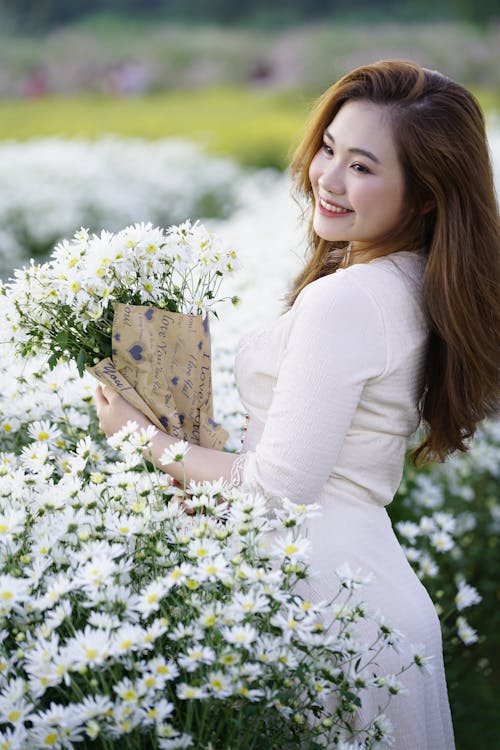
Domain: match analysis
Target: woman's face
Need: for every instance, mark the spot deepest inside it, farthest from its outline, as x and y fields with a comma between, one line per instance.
x=357, y=180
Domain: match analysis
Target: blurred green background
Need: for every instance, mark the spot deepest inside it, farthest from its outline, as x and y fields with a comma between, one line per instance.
x=239, y=78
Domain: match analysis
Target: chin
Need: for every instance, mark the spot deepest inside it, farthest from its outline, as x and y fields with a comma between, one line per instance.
x=330, y=236
x=329, y=233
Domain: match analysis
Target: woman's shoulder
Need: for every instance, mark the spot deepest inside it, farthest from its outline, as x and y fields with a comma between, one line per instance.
x=385, y=293
x=397, y=275
x=345, y=295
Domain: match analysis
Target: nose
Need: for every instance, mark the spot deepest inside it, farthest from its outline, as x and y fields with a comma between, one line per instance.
x=331, y=179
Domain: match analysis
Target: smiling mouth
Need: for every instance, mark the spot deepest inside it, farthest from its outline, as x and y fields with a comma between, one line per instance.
x=331, y=208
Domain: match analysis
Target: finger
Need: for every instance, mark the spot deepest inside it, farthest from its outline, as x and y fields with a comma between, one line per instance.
x=99, y=396
x=107, y=392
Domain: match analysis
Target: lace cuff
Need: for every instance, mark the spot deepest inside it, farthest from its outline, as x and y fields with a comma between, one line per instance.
x=242, y=463
x=237, y=470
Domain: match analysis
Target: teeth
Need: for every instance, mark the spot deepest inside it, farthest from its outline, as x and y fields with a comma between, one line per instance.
x=333, y=209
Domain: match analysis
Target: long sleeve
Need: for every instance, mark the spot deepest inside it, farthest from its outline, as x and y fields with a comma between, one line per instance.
x=335, y=344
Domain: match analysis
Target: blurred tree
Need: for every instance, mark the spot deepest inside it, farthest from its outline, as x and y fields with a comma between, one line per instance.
x=36, y=15
x=479, y=10
x=31, y=15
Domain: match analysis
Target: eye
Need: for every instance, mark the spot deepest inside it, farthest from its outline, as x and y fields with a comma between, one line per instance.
x=360, y=168
x=327, y=149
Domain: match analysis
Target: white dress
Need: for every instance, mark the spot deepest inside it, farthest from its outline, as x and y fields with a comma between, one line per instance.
x=331, y=390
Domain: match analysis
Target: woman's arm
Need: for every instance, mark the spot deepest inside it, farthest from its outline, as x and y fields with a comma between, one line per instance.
x=200, y=464
x=336, y=344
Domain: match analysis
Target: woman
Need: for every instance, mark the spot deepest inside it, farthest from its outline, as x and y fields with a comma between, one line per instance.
x=394, y=319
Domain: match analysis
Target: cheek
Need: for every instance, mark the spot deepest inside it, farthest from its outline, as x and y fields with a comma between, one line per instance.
x=315, y=171
x=398, y=199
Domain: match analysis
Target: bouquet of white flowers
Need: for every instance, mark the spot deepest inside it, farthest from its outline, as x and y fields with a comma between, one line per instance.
x=132, y=308
x=127, y=624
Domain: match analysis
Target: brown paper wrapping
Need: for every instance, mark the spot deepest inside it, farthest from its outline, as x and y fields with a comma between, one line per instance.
x=161, y=364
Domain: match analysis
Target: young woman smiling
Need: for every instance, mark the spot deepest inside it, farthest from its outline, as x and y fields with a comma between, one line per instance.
x=393, y=322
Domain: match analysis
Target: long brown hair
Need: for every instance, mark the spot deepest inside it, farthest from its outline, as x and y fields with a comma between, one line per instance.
x=452, y=212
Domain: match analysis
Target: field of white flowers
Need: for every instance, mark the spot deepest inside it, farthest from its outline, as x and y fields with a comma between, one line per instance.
x=76, y=521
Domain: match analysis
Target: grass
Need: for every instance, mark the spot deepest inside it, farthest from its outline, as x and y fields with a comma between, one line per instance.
x=257, y=128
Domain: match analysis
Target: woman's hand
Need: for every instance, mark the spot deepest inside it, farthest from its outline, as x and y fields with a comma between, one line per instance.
x=200, y=464
x=114, y=412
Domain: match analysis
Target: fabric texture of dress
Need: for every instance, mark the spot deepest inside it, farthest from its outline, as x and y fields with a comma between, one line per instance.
x=331, y=390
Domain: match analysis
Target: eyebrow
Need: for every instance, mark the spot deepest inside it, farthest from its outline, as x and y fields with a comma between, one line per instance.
x=361, y=151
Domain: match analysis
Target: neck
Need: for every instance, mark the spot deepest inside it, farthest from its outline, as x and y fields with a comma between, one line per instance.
x=360, y=252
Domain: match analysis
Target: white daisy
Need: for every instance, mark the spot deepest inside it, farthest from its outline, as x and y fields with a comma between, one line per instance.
x=466, y=596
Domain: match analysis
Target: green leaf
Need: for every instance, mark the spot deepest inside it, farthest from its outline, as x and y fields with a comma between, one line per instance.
x=81, y=361
x=53, y=360
x=353, y=698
